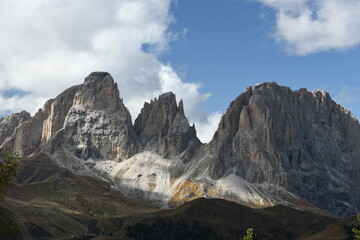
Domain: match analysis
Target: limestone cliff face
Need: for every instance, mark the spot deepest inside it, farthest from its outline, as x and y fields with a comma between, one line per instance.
x=89, y=120
x=299, y=140
x=56, y=111
x=9, y=124
x=162, y=125
x=98, y=125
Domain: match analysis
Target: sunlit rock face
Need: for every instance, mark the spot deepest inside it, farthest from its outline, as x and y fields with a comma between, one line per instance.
x=98, y=125
x=273, y=145
x=89, y=120
x=9, y=124
x=302, y=141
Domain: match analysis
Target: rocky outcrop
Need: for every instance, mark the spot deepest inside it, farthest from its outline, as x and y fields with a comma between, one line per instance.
x=31, y=136
x=27, y=137
x=162, y=125
x=89, y=120
x=8, y=124
x=97, y=125
x=56, y=111
x=299, y=140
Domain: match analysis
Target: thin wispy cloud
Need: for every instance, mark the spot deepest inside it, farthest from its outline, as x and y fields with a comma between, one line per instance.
x=347, y=95
x=310, y=26
x=48, y=46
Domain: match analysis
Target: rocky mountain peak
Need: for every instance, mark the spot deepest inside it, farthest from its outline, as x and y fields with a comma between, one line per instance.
x=162, y=123
x=98, y=76
x=97, y=125
x=98, y=92
x=156, y=117
x=88, y=120
x=181, y=108
x=283, y=137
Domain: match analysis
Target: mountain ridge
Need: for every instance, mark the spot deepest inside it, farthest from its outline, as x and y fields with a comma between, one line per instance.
x=270, y=139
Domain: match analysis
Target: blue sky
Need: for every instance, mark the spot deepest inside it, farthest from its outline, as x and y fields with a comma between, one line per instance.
x=206, y=52
x=229, y=45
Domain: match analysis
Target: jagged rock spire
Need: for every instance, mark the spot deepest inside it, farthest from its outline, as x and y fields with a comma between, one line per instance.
x=162, y=123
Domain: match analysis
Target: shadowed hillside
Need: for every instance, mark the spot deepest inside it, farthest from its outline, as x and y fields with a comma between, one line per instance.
x=49, y=202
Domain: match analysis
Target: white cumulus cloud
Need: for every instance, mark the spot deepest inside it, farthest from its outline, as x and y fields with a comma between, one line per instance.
x=48, y=46
x=309, y=26
x=206, y=128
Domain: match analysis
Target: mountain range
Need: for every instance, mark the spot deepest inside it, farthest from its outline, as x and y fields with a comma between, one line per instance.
x=273, y=146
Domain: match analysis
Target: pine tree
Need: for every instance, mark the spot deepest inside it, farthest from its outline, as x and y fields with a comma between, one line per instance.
x=8, y=167
x=251, y=235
